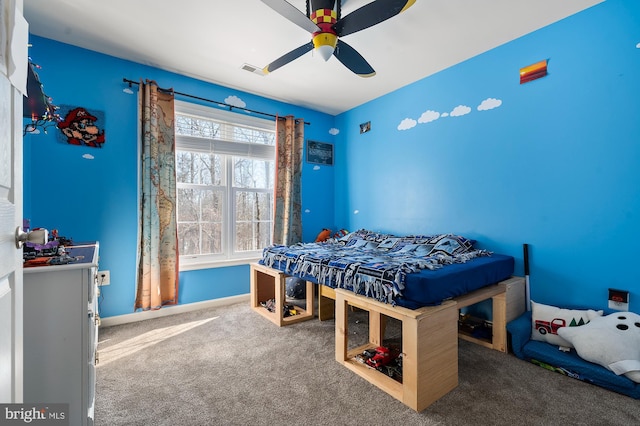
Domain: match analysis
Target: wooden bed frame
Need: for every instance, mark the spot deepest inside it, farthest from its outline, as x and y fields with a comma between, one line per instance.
x=429, y=334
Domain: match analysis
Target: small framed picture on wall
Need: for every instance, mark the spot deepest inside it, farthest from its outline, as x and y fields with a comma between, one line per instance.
x=319, y=153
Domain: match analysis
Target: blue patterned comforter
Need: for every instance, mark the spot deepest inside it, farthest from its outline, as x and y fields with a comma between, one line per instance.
x=367, y=263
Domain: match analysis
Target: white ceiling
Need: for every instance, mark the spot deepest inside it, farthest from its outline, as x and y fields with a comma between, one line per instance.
x=212, y=39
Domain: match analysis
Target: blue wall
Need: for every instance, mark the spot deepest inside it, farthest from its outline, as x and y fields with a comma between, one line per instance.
x=555, y=165
x=96, y=198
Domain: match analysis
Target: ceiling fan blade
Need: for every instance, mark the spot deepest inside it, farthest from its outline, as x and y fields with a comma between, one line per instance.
x=292, y=13
x=351, y=59
x=288, y=57
x=370, y=14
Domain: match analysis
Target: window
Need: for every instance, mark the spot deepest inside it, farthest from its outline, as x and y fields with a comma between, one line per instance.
x=225, y=167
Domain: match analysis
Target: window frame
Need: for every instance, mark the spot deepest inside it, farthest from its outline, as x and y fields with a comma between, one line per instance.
x=229, y=256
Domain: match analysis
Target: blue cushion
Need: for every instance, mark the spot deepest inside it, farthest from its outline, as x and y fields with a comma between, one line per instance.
x=567, y=363
x=572, y=363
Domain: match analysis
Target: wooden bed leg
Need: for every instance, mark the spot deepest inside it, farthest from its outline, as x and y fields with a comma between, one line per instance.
x=342, y=329
x=507, y=305
x=377, y=323
x=499, y=326
x=310, y=300
x=430, y=357
x=326, y=304
x=280, y=298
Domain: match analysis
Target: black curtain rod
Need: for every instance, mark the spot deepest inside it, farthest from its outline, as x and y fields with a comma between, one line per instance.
x=231, y=107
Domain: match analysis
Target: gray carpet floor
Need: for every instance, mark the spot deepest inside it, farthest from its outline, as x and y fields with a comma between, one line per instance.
x=230, y=366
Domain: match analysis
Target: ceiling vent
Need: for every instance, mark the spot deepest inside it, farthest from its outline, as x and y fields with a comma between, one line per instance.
x=253, y=69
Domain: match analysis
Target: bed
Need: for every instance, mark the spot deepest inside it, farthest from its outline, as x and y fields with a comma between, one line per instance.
x=422, y=281
x=409, y=271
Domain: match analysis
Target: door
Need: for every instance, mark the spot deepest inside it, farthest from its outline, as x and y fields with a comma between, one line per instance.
x=10, y=218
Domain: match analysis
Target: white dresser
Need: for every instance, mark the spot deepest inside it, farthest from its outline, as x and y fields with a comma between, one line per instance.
x=61, y=333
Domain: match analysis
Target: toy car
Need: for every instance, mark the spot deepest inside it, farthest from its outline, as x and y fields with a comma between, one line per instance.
x=382, y=357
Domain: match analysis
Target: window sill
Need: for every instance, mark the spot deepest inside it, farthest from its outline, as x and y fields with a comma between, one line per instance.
x=216, y=264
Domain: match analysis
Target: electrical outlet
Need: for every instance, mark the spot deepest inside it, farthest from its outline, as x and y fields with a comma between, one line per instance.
x=104, y=278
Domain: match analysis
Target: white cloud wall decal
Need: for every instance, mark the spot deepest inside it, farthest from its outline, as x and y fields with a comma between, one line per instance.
x=334, y=131
x=489, y=103
x=235, y=101
x=460, y=110
x=428, y=116
x=407, y=124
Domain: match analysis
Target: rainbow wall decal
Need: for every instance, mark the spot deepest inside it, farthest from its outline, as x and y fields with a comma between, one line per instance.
x=533, y=72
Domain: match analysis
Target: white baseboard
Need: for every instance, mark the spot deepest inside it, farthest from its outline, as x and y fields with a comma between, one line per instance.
x=172, y=310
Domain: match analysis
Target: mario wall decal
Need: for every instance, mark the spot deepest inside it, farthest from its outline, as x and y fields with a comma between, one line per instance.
x=79, y=127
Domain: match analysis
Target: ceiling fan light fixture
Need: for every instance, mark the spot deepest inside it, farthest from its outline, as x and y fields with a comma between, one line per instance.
x=325, y=44
x=324, y=21
x=325, y=52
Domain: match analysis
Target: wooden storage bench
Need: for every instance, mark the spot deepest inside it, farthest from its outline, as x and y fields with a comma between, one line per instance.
x=429, y=339
x=268, y=283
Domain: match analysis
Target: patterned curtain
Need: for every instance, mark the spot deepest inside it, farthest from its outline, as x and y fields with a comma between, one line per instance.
x=157, y=281
x=287, y=226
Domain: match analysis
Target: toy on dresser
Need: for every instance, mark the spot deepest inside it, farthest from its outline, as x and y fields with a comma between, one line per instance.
x=53, y=252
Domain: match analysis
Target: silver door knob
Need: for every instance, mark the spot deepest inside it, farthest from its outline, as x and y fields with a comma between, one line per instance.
x=37, y=236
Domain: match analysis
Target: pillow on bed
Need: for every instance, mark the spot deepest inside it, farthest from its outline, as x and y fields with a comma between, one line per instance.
x=546, y=319
x=451, y=244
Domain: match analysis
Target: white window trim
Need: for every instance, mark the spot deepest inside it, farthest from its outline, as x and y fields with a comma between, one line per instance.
x=182, y=107
x=187, y=264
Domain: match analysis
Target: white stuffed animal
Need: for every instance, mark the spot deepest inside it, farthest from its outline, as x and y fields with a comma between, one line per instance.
x=612, y=341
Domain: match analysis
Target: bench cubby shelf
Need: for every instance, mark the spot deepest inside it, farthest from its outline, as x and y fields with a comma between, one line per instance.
x=268, y=283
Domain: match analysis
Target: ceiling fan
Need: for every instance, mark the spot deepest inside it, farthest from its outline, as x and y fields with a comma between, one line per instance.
x=324, y=22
